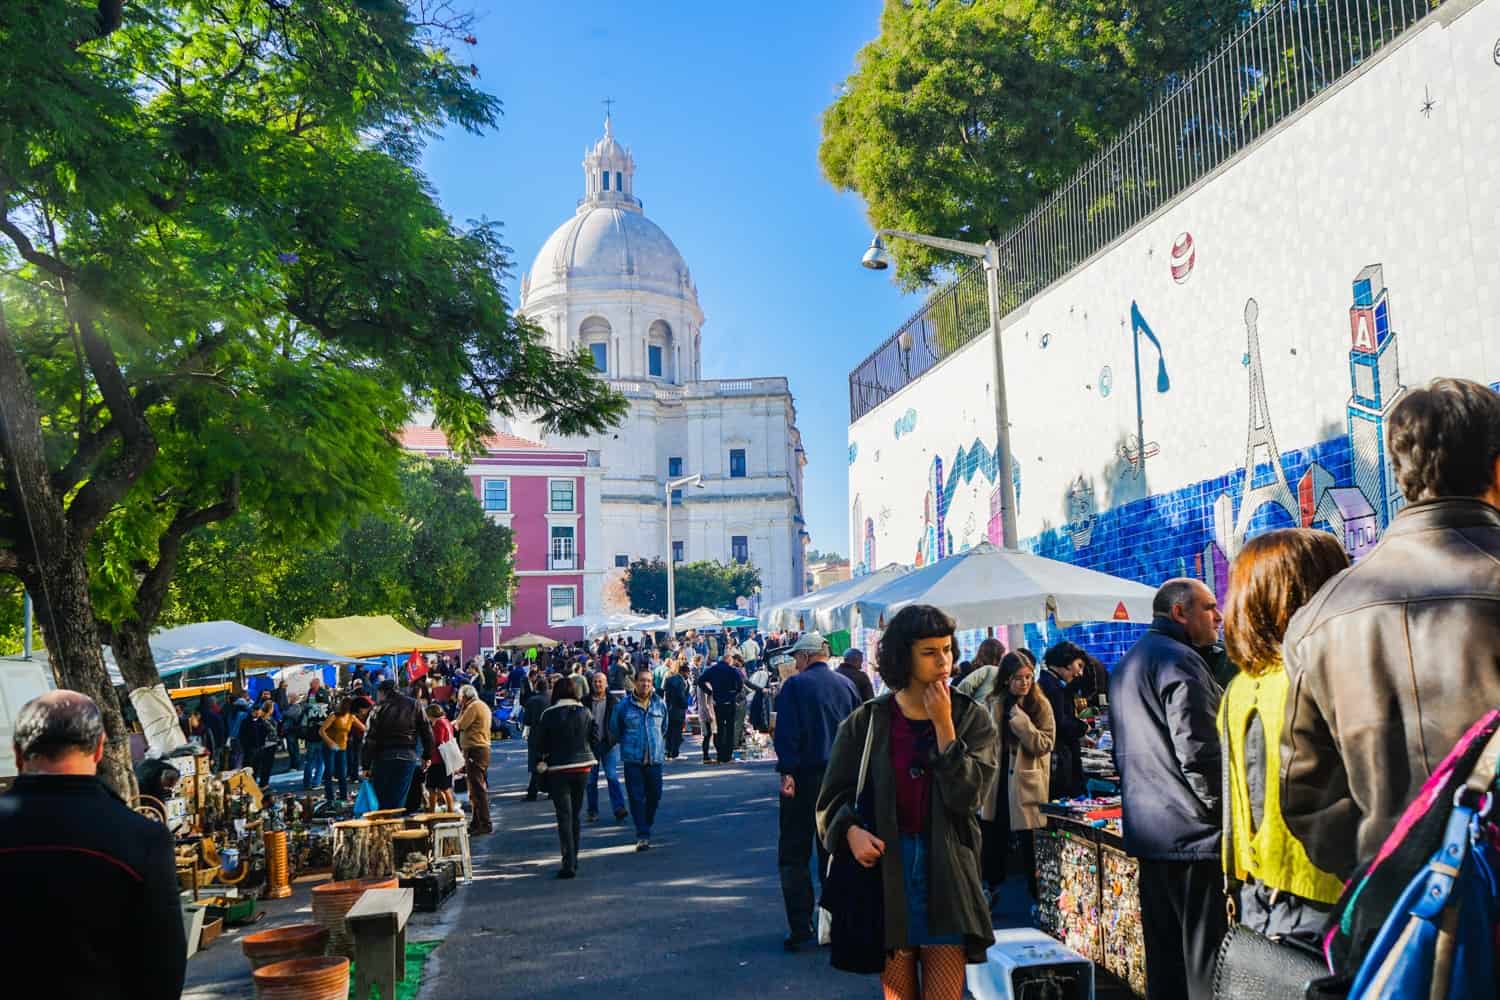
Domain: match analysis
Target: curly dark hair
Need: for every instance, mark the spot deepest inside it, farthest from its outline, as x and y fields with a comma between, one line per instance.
x=913, y=622
x=1444, y=439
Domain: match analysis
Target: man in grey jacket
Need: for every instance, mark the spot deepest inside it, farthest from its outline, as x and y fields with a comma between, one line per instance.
x=1397, y=656
x=1163, y=703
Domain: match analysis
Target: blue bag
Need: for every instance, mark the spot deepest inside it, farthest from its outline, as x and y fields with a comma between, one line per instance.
x=1439, y=939
x=366, y=801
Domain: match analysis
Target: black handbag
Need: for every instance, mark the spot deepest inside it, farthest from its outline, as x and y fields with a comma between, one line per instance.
x=854, y=895
x=1250, y=964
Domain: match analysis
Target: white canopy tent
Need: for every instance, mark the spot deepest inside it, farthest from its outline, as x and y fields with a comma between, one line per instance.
x=605, y=622
x=700, y=618
x=801, y=612
x=986, y=586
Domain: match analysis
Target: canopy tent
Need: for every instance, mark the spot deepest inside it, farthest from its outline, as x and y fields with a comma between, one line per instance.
x=803, y=612
x=702, y=618
x=986, y=586
x=741, y=621
x=177, y=650
x=605, y=622
x=370, y=636
x=528, y=640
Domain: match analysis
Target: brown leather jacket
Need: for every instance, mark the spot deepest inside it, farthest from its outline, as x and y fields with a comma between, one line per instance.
x=1389, y=664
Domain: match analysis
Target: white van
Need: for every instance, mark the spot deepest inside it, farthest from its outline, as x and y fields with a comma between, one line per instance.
x=20, y=681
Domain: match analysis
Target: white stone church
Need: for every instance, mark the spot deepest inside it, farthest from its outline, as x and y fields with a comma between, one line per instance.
x=609, y=280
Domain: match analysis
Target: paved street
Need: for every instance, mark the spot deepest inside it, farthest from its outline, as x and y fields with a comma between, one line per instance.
x=700, y=913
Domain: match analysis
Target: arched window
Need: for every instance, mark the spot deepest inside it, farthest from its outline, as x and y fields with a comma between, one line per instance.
x=658, y=345
x=606, y=180
x=594, y=335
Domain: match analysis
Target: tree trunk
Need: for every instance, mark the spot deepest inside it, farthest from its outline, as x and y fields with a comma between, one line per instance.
x=153, y=706
x=53, y=564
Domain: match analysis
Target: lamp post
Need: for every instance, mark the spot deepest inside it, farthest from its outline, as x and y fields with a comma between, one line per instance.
x=675, y=484
x=876, y=259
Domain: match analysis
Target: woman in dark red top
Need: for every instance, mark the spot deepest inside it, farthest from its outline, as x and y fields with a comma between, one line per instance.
x=932, y=756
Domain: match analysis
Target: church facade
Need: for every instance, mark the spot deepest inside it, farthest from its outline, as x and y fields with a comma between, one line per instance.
x=611, y=282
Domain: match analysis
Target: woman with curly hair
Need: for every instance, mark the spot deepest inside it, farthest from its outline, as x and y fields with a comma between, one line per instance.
x=932, y=758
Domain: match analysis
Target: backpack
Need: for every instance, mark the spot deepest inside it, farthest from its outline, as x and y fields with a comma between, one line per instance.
x=1420, y=918
x=760, y=711
x=313, y=717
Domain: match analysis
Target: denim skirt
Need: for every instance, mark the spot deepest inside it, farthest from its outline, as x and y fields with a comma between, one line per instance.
x=914, y=865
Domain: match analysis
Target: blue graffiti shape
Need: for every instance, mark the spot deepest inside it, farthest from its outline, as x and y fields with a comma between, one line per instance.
x=906, y=423
x=1142, y=328
x=853, y=451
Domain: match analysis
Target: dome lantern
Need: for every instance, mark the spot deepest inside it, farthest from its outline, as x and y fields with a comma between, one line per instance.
x=609, y=173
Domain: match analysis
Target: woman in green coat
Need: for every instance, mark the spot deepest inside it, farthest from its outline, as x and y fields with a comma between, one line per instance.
x=932, y=755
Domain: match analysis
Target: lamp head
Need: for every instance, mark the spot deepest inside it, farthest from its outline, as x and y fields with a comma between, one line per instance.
x=875, y=258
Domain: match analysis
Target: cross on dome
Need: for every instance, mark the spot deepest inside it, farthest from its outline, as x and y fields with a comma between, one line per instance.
x=609, y=170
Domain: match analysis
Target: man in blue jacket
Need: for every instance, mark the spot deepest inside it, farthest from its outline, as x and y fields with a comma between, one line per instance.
x=1163, y=702
x=809, y=708
x=639, y=728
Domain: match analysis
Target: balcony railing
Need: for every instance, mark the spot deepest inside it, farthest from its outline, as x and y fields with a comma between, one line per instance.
x=1288, y=54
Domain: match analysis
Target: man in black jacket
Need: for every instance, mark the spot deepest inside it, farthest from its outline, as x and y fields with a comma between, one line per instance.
x=675, y=691
x=398, y=740
x=1064, y=665
x=853, y=668
x=1163, y=702
x=90, y=886
x=531, y=713
x=722, y=683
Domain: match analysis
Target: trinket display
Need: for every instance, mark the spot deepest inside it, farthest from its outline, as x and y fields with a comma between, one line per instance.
x=1121, y=937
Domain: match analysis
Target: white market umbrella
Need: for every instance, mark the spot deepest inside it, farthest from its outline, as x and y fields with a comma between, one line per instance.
x=836, y=611
x=987, y=586
x=605, y=622
x=801, y=612
x=702, y=618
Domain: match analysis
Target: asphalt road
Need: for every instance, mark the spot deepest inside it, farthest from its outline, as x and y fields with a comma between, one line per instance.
x=700, y=914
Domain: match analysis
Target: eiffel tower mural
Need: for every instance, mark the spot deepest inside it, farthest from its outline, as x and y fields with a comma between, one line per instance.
x=1260, y=448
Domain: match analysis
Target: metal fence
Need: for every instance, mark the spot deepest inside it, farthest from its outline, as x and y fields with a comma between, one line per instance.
x=1286, y=55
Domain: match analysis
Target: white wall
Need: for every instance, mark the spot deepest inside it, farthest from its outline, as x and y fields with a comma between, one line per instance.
x=1362, y=177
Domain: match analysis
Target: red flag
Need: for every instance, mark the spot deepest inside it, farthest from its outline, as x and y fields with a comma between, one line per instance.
x=416, y=666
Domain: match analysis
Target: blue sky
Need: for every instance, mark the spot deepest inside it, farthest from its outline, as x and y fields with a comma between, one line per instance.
x=720, y=103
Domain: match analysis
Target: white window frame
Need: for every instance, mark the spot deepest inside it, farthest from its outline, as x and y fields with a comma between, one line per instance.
x=622, y=555
x=552, y=618
x=498, y=616
x=553, y=559
x=573, y=484
x=729, y=463
x=604, y=344
x=732, y=557
x=484, y=494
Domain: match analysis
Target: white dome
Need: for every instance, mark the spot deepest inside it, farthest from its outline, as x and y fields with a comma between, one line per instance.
x=608, y=247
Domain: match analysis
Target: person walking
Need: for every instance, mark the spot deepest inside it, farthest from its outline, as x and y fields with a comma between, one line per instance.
x=314, y=714
x=601, y=705
x=531, y=714
x=809, y=709
x=1396, y=657
x=1282, y=894
x=1163, y=702
x=473, y=727
x=334, y=737
x=437, y=783
x=1064, y=664
x=560, y=753
x=677, y=695
x=639, y=730
x=723, y=684
x=258, y=737
x=1012, y=809
x=932, y=757
x=92, y=884
x=750, y=650
x=291, y=728
x=397, y=741
x=853, y=669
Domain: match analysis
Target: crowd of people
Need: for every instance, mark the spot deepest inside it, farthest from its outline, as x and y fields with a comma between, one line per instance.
x=1269, y=780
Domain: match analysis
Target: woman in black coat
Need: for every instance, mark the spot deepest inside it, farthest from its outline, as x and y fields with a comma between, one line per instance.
x=560, y=752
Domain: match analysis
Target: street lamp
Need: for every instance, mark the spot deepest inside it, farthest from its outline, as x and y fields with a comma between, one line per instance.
x=876, y=259
x=694, y=480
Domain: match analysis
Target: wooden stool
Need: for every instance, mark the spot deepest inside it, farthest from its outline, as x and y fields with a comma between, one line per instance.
x=408, y=842
x=450, y=842
x=377, y=923
x=382, y=848
x=351, y=848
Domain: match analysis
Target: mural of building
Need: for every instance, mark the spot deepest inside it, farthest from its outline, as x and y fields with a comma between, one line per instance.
x=1284, y=346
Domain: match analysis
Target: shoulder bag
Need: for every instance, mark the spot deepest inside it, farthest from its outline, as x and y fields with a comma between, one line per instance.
x=853, y=904
x=1249, y=963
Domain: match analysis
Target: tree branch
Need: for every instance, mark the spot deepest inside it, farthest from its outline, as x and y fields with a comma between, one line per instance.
x=153, y=587
x=40, y=258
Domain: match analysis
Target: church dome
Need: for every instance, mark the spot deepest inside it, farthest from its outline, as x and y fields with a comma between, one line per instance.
x=609, y=243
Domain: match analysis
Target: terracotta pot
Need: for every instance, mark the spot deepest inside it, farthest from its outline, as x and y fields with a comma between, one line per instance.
x=281, y=943
x=303, y=979
x=332, y=900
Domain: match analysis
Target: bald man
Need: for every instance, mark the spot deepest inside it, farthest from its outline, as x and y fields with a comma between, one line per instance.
x=92, y=885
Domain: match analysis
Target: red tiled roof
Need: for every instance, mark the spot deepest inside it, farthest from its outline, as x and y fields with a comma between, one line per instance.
x=417, y=436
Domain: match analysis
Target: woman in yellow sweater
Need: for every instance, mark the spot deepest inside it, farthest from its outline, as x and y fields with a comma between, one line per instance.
x=335, y=733
x=1282, y=894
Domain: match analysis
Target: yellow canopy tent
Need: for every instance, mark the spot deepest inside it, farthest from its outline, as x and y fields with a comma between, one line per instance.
x=370, y=636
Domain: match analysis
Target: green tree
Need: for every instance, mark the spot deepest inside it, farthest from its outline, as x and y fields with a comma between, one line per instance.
x=201, y=199
x=430, y=555
x=963, y=114
x=697, y=584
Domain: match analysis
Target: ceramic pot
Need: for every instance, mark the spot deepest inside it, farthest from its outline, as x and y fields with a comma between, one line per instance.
x=281, y=943
x=303, y=979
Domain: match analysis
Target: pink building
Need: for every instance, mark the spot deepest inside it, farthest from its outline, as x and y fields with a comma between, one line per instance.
x=549, y=498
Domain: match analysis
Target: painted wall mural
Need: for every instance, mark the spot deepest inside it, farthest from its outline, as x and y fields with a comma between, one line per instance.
x=1274, y=375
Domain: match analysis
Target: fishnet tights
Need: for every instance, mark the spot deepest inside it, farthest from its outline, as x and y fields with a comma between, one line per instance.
x=942, y=974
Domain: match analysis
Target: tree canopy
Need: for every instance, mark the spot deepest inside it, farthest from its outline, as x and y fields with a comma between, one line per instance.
x=698, y=584
x=429, y=554
x=963, y=114
x=225, y=284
